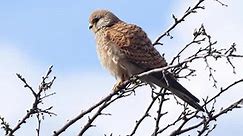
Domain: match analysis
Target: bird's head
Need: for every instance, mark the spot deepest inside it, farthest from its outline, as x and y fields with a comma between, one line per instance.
x=100, y=19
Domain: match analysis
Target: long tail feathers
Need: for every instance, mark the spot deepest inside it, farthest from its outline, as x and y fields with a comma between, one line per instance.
x=169, y=82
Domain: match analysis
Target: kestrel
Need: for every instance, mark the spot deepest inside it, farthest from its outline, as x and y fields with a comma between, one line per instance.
x=125, y=50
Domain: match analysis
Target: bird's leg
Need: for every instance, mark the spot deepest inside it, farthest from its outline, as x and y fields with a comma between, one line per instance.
x=121, y=83
x=118, y=86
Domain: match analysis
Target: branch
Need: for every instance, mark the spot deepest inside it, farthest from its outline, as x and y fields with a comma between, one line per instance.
x=5, y=126
x=105, y=104
x=146, y=114
x=83, y=113
x=38, y=100
x=223, y=90
x=90, y=120
x=38, y=124
x=221, y=3
x=26, y=85
x=178, y=21
x=229, y=108
x=159, y=114
x=206, y=119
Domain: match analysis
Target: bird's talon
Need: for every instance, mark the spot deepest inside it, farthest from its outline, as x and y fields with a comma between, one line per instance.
x=117, y=87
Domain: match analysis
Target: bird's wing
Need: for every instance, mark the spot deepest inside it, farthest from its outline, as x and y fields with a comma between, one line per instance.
x=135, y=45
x=136, y=48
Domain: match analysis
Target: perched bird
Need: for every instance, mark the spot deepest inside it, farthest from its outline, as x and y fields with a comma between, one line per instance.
x=125, y=50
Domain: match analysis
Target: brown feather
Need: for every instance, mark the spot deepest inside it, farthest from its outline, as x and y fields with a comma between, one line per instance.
x=125, y=50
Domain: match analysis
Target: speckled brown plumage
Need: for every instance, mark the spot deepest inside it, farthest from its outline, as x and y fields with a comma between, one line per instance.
x=125, y=50
x=135, y=45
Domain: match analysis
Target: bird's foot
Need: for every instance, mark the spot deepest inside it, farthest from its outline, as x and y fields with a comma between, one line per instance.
x=120, y=85
x=117, y=86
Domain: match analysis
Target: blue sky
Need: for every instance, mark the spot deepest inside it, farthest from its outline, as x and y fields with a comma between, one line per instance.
x=37, y=34
x=56, y=32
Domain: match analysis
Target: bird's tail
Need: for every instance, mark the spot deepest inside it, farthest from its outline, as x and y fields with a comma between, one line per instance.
x=169, y=82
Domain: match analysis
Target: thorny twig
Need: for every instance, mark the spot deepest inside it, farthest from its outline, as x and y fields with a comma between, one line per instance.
x=146, y=114
x=155, y=97
x=99, y=112
x=104, y=102
x=159, y=114
x=221, y=3
x=83, y=113
x=5, y=126
x=207, y=118
x=38, y=124
x=38, y=99
x=177, y=21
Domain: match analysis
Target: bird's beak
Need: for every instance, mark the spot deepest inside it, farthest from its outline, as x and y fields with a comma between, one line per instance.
x=90, y=26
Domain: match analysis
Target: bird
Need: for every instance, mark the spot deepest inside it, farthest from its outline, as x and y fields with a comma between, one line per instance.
x=125, y=50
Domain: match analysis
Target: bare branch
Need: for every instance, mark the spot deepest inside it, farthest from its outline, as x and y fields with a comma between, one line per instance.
x=38, y=124
x=146, y=114
x=159, y=114
x=83, y=113
x=5, y=126
x=38, y=100
x=223, y=90
x=26, y=84
x=177, y=21
x=104, y=105
x=221, y=3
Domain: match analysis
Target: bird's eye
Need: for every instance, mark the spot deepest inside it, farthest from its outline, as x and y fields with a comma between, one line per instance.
x=95, y=20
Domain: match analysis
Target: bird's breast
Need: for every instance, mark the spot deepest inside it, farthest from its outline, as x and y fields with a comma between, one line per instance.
x=110, y=57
